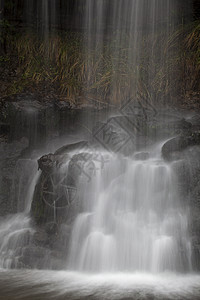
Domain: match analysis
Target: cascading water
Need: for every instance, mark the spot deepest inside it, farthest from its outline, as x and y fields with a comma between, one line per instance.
x=42, y=14
x=132, y=220
x=16, y=230
x=118, y=30
x=131, y=223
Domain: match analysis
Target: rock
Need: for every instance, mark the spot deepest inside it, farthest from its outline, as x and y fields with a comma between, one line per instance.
x=51, y=228
x=187, y=171
x=195, y=121
x=9, y=155
x=46, y=163
x=141, y=156
x=56, y=190
x=4, y=128
x=183, y=124
x=34, y=252
x=63, y=105
x=35, y=256
x=40, y=238
x=172, y=148
x=80, y=146
x=28, y=105
x=176, y=144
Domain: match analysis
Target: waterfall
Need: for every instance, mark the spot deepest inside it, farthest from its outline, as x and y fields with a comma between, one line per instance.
x=132, y=220
x=42, y=14
x=132, y=217
x=16, y=230
x=132, y=35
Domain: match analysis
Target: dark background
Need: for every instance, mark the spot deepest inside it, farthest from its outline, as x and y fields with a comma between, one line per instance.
x=68, y=14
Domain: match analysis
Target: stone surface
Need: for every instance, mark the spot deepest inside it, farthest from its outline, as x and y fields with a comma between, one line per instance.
x=172, y=148
x=187, y=170
x=141, y=156
x=9, y=155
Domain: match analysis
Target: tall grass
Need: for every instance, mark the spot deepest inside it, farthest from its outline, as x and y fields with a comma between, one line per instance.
x=170, y=69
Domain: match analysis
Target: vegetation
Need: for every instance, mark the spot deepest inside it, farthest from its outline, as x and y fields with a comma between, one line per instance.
x=170, y=72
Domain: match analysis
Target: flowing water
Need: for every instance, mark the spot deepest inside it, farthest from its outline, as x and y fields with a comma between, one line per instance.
x=42, y=285
x=133, y=220
x=130, y=239
x=127, y=33
x=16, y=229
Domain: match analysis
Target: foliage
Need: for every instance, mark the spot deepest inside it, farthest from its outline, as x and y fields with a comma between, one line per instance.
x=171, y=67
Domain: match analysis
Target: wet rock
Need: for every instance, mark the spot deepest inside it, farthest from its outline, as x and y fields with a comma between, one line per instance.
x=176, y=144
x=9, y=155
x=80, y=146
x=35, y=257
x=54, y=193
x=182, y=124
x=34, y=251
x=4, y=128
x=142, y=156
x=40, y=238
x=172, y=148
x=63, y=105
x=195, y=121
x=195, y=259
x=56, y=190
x=52, y=228
x=28, y=105
x=187, y=171
x=46, y=163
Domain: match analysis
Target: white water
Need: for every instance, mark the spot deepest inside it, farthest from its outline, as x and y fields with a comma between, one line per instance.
x=130, y=35
x=132, y=220
x=41, y=285
x=16, y=229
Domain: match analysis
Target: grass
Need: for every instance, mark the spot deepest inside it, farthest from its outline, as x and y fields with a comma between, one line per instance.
x=171, y=67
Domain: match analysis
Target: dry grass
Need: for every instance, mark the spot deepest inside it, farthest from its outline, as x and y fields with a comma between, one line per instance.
x=171, y=67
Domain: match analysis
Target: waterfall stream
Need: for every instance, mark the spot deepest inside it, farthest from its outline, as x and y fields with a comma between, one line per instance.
x=118, y=30
x=118, y=227
x=16, y=230
x=133, y=220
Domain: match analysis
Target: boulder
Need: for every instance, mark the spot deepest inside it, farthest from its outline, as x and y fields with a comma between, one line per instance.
x=79, y=146
x=46, y=163
x=172, y=148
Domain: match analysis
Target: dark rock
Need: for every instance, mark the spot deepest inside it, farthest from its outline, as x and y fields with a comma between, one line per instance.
x=4, y=128
x=63, y=105
x=187, y=171
x=52, y=228
x=40, y=238
x=80, y=146
x=46, y=163
x=28, y=105
x=195, y=121
x=9, y=155
x=34, y=252
x=35, y=257
x=183, y=124
x=172, y=147
x=60, y=183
